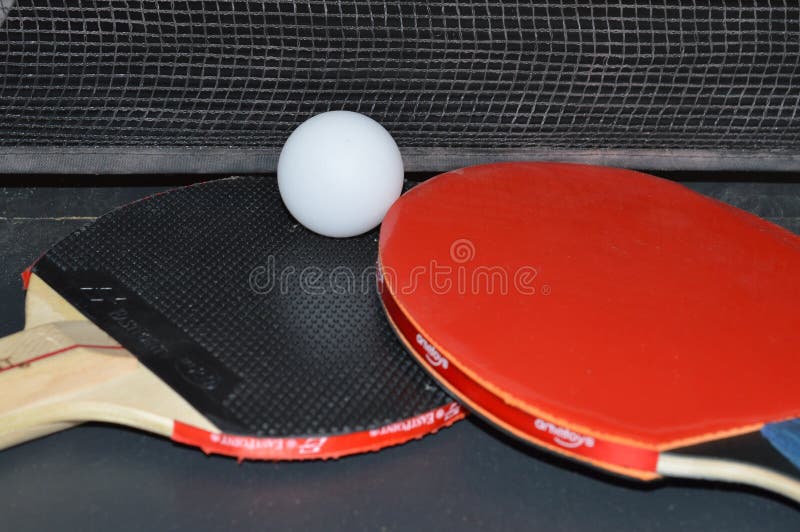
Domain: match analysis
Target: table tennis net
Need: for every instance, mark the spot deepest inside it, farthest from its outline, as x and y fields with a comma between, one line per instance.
x=217, y=86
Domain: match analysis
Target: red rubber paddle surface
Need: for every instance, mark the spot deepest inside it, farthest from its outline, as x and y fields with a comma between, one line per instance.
x=608, y=302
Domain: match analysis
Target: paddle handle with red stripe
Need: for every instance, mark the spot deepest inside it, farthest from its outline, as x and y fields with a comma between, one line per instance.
x=36, y=378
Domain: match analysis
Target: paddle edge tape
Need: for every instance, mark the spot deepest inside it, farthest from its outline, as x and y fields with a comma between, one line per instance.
x=622, y=458
x=320, y=447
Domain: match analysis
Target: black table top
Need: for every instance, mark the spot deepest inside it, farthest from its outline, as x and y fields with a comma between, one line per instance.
x=99, y=477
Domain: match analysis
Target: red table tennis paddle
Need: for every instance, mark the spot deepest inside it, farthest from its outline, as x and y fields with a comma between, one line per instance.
x=208, y=315
x=607, y=315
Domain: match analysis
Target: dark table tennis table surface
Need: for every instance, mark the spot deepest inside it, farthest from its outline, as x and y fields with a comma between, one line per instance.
x=468, y=476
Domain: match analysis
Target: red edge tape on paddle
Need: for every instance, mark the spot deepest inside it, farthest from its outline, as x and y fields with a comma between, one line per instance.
x=26, y=277
x=247, y=447
x=627, y=459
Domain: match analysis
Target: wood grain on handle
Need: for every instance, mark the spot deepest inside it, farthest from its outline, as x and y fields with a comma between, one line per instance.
x=63, y=370
x=47, y=366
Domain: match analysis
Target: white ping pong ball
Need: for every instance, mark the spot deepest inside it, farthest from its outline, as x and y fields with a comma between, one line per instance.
x=339, y=172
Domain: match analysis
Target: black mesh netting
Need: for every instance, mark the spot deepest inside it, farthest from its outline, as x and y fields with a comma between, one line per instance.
x=474, y=78
x=263, y=326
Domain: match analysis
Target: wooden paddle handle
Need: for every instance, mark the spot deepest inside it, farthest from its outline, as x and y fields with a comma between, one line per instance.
x=60, y=374
x=678, y=465
x=46, y=368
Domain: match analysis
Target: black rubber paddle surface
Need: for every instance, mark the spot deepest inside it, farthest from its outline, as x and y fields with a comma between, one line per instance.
x=265, y=327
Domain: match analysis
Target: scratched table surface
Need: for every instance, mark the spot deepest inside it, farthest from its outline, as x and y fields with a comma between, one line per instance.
x=99, y=477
